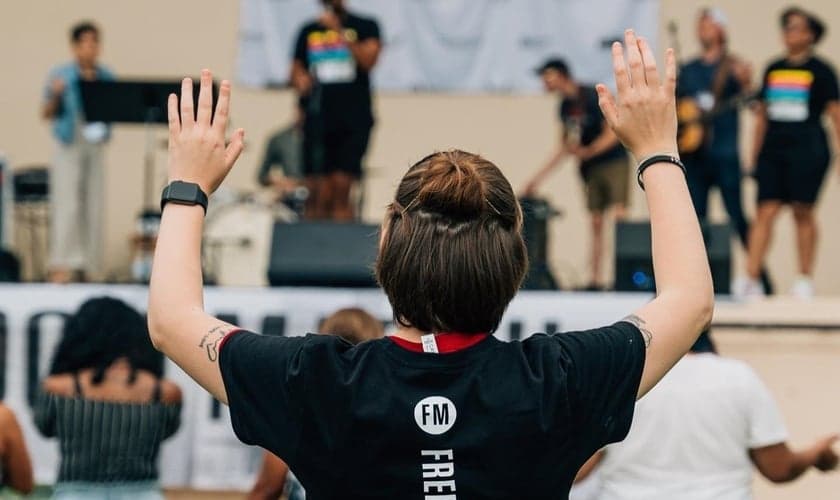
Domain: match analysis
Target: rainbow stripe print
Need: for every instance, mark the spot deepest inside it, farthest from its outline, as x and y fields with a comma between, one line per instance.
x=788, y=94
x=330, y=57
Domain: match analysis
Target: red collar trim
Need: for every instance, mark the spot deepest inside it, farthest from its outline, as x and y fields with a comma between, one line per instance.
x=224, y=339
x=446, y=341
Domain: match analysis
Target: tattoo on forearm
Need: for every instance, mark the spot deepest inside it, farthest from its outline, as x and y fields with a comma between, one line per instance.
x=210, y=341
x=642, y=326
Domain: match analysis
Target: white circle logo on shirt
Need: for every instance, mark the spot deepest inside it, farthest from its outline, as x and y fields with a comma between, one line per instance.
x=435, y=415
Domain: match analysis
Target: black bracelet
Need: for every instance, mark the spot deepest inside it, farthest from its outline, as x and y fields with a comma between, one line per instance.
x=647, y=162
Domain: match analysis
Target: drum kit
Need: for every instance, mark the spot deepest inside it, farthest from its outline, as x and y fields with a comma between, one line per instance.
x=238, y=230
x=237, y=235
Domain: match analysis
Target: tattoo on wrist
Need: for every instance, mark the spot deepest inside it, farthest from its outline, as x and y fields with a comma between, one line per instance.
x=210, y=341
x=642, y=326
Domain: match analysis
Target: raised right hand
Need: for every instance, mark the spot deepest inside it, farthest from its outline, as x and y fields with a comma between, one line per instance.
x=644, y=116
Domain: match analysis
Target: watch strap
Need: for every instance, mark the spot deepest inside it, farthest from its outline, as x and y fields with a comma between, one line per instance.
x=183, y=193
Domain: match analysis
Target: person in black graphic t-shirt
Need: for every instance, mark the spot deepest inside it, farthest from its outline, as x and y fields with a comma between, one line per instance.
x=602, y=160
x=791, y=153
x=441, y=408
x=332, y=61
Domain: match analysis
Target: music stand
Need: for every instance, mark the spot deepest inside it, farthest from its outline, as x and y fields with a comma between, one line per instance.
x=136, y=102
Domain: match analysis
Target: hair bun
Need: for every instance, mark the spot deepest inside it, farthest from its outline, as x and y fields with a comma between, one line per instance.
x=451, y=185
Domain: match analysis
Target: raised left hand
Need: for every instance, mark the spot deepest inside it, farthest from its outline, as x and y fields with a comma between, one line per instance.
x=197, y=151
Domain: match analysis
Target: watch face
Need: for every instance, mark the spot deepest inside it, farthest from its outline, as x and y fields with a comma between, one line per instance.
x=183, y=191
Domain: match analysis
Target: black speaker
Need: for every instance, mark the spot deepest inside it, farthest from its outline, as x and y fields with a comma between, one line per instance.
x=9, y=267
x=32, y=185
x=634, y=265
x=323, y=254
x=536, y=213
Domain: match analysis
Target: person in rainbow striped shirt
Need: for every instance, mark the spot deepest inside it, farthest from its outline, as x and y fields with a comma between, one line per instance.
x=331, y=67
x=791, y=154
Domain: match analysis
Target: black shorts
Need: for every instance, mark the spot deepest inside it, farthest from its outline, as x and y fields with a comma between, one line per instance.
x=792, y=170
x=334, y=150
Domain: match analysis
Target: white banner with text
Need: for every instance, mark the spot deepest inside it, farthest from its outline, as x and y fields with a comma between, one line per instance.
x=205, y=454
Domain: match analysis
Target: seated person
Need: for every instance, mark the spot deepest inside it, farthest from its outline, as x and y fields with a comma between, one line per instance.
x=107, y=403
x=282, y=165
x=15, y=465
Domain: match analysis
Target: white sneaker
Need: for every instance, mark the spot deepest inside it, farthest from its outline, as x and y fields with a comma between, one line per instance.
x=747, y=289
x=803, y=288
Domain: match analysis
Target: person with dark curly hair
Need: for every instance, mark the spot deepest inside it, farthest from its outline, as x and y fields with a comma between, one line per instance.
x=106, y=401
x=77, y=171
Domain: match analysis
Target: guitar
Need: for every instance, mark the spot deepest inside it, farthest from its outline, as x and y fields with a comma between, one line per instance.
x=693, y=123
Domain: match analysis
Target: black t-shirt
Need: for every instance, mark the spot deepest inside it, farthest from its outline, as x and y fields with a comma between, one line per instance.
x=796, y=96
x=341, y=93
x=495, y=420
x=582, y=116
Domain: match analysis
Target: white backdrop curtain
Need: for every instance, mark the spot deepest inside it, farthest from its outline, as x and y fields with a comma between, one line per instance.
x=454, y=45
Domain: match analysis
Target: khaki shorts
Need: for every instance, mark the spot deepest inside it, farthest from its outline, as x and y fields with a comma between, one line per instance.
x=608, y=184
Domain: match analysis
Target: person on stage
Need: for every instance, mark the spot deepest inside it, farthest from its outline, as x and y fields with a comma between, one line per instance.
x=333, y=58
x=716, y=82
x=77, y=175
x=602, y=160
x=281, y=169
x=791, y=152
x=282, y=166
x=442, y=407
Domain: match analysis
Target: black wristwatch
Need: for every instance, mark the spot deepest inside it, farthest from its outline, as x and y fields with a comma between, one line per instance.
x=183, y=193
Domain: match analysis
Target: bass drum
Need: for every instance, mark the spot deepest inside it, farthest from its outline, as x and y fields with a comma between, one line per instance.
x=237, y=241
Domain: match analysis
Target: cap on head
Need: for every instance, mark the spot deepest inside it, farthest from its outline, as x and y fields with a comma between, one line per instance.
x=716, y=15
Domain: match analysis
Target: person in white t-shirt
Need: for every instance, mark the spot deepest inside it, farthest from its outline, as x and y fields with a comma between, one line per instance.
x=698, y=434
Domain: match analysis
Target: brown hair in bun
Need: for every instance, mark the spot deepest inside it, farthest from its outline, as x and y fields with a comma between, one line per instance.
x=452, y=255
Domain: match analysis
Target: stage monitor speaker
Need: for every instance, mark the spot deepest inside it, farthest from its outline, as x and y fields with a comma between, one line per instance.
x=9, y=267
x=536, y=214
x=634, y=265
x=329, y=254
